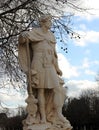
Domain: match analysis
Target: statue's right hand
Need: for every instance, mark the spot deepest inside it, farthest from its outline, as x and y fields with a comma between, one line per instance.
x=23, y=39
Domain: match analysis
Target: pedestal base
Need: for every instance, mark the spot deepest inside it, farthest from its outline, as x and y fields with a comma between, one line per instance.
x=46, y=126
x=38, y=127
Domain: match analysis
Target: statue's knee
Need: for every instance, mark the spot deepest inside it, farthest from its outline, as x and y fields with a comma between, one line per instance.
x=41, y=92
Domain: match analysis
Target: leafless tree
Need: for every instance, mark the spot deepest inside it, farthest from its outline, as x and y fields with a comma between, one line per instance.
x=17, y=16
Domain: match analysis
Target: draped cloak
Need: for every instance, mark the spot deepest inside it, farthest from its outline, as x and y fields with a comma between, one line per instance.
x=43, y=65
x=43, y=58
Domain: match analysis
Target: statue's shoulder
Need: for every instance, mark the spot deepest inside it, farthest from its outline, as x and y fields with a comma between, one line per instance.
x=36, y=29
x=52, y=37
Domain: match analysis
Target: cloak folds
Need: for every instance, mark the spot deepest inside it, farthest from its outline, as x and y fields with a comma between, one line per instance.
x=34, y=36
x=43, y=58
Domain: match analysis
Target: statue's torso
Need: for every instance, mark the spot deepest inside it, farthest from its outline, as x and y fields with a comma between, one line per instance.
x=43, y=54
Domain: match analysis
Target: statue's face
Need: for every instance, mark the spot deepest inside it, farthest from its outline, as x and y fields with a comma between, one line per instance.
x=47, y=24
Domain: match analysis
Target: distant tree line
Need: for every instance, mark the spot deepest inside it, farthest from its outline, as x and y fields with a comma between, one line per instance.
x=12, y=123
x=83, y=113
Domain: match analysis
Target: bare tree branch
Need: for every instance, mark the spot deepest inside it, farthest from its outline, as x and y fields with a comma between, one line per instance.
x=17, y=16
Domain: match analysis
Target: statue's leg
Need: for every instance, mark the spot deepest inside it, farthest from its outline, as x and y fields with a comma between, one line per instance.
x=41, y=103
x=58, y=103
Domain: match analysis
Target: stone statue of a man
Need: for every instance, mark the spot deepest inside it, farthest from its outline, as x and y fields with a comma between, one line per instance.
x=45, y=73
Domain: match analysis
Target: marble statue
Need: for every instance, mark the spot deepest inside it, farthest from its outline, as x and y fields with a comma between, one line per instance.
x=46, y=94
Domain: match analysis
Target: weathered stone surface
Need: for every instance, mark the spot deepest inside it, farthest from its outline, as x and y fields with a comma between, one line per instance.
x=46, y=94
x=46, y=126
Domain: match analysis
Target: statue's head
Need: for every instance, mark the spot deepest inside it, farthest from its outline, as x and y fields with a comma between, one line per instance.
x=45, y=20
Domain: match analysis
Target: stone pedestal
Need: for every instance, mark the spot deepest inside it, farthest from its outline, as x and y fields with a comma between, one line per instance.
x=33, y=121
x=38, y=127
x=47, y=126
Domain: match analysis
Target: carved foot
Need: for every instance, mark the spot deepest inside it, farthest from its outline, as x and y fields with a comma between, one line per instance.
x=43, y=121
x=61, y=117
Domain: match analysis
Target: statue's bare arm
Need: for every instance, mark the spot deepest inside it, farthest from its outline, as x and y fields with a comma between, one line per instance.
x=59, y=72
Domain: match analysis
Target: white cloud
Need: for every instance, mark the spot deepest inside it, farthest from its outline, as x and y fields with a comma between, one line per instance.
x=70, y=71
x=94, y=5
x=92, y=12
x=86, y=63
x=67, y=8
x=88, y=67
x=77, y=86
x=67, y=69
x=87, y=38
x=83, y=27
x=90, y=72
x=92, y=36
x=96, y=62
x=87, y=52
x=14, y=100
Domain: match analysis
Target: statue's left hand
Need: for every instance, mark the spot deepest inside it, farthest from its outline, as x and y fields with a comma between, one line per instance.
x=59, y=72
